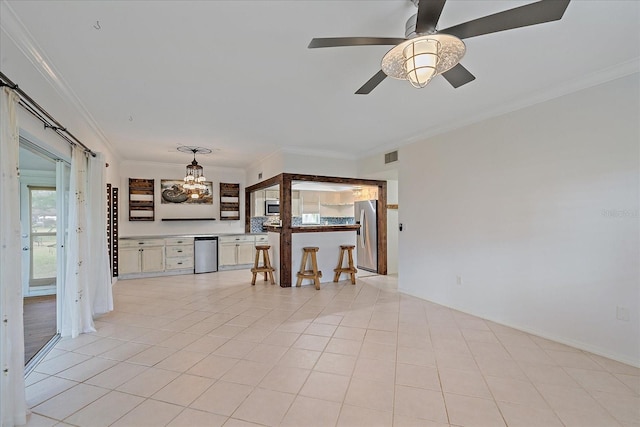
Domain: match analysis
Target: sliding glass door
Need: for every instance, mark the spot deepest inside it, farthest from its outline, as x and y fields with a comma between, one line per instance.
x=44, y=182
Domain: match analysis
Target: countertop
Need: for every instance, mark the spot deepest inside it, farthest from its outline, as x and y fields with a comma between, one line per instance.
x=316, y=228
x=165, y=236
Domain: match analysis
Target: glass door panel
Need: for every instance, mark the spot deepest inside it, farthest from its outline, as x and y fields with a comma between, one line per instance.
x=43, y=216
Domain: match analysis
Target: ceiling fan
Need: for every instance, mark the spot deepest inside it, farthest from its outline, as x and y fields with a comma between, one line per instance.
x=426, y=52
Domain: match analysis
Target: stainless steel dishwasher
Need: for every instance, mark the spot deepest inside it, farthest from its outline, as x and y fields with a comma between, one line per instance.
x=206, y=254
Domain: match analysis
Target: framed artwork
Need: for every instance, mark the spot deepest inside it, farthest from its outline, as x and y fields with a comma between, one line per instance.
x=171, y=192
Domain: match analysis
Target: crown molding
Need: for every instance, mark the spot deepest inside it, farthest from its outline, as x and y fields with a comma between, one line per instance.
x=594, y=79
x=138, y=163
x=18, y=33
x=603, y=76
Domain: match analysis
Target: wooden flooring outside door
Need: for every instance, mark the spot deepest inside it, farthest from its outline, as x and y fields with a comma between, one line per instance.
x=39, y=323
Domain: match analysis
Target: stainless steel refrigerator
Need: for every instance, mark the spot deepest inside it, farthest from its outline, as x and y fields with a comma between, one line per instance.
x=367, y=235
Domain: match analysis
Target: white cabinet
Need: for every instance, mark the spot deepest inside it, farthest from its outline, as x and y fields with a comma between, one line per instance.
x=236, y=250
x=245, y=252
x=178, y=253
x=336, y=204
x=257, y=202
x=310, y=201
x=272, y=194
x=141, y=256
x=295, y=203
x=262, y=240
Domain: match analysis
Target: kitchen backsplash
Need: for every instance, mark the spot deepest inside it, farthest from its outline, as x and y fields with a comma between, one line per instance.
x=257, y=221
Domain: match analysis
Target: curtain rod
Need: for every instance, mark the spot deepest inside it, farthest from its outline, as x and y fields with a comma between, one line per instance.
x=41, y=114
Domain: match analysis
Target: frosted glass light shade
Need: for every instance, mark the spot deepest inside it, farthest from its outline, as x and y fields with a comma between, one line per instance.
x=420, y=61
x=450, y=51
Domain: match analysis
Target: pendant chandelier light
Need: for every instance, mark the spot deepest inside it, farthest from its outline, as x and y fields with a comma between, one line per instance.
x=194, y=178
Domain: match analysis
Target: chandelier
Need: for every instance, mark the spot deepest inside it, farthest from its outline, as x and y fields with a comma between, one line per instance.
x=421, y=58
x=194, y=178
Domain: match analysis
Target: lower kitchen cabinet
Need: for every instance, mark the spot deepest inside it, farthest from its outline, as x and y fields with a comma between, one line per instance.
x=141, y=256
x=235, y=251
x=175, y=255
x=178, y=254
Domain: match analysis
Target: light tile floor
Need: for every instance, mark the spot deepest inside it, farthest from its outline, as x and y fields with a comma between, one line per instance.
x=212, y=350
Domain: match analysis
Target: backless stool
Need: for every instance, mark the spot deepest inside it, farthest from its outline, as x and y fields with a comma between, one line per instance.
x=313, y=274
x=350, y=269
x=266, y=264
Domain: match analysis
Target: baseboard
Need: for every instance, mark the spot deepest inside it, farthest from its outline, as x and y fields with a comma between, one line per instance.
x=559, y=339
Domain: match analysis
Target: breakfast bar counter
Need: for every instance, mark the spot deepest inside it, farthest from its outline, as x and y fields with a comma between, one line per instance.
x=327, y=238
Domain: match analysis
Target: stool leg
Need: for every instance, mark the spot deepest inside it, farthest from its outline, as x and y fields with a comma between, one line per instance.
x=353, y=274
x=304, y=263
x=336, y=276
x=314, y=263
x=264, y=263
x=255, y=265
x=267, y=263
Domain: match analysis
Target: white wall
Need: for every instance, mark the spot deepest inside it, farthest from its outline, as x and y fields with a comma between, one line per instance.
x=269, y=167
x=319, y=165
x=309, y=164
x=158, y=171
x=537, y=212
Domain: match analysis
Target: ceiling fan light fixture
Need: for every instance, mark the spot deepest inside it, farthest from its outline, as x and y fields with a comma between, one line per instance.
x=420, y=61
x=421, y=58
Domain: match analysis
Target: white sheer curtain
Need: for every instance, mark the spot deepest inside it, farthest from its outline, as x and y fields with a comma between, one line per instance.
x=87, y=287
x=100, y=284
x=76, y=305
x=13, y=407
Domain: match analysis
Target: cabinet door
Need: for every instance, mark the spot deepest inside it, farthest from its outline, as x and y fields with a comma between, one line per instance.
x=310, y=202
x=152, y=259
x=129, y=260
x=246, y=253
x=295, y=203
x=227, y=254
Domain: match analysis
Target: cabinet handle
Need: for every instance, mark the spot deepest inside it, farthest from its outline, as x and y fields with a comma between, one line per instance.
x=179, y=263
x=141, y=243
x=179, y=241
x=179, y=252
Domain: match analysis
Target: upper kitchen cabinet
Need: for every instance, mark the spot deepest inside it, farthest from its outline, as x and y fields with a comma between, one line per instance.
x=310, y=201
x=337, y=204
x=272, y=194
x=295, y=203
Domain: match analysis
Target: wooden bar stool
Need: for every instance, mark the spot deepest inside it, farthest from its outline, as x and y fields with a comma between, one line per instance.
x=313, y=274
x=266, y=264
x=350, y=269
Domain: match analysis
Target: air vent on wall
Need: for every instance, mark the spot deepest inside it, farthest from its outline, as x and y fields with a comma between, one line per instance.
x=391, y=157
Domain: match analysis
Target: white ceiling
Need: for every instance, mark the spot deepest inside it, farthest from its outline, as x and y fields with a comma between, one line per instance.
x=237, y=77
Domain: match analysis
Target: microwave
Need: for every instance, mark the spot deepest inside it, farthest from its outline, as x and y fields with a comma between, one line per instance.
x=272, y=207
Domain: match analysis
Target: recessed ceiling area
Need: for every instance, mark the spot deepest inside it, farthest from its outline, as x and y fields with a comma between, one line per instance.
x=237, y=77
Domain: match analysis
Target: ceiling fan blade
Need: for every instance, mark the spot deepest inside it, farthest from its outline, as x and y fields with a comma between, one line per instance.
x=428, y=14
x=353, y=41
x=523, y=16
x=372, y=83
x=458, y=76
